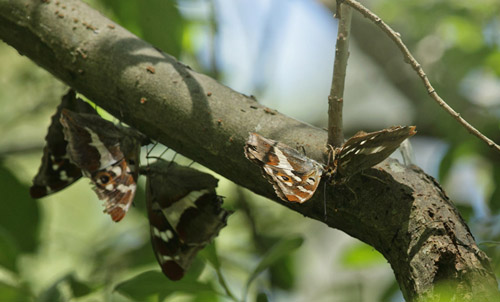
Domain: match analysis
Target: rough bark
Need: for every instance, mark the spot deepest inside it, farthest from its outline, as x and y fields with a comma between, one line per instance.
x=400, y=211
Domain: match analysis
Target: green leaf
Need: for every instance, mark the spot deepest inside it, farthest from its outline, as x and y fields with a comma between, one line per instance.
x=282, y=273
x=78, y=287
x=462, y=32
x=493, y=61
x=195, y=270
x=278, y=251
x=205, y=296
x=361, y=256
x=19, y=214
x=262, y=297
x=14, y=294
x=8, y=250
x=154, y=286
x=210, y=254
x=53, y=293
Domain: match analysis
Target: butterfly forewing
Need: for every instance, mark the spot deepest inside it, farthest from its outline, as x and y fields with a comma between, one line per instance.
x=365, y=150
x=57, y=171
x=93, y=143
x=184, y=213
x=294, y=176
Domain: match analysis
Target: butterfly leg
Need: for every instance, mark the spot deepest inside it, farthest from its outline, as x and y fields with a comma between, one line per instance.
x=303, y=150
x=372, y=177
x=352, y=191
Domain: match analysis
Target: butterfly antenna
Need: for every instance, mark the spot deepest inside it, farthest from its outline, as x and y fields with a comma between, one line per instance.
x=372, y=177
x=352, y=191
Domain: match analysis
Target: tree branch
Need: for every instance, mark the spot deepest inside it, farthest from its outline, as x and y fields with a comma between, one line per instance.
x=400, y=211
x=408, y=57
x=336, y=97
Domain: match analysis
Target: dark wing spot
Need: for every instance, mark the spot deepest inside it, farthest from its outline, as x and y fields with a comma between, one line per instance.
x=104, y=179
x=285, y=178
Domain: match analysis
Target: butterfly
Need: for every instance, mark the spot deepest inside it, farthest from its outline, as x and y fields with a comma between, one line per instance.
x=56, y=171
x=184, y=213
x=295, y=177
x=107, y=154
x=365, y=150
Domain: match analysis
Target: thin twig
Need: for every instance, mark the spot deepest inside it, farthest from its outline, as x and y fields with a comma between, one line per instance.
x=336, y=97
x=396, y=37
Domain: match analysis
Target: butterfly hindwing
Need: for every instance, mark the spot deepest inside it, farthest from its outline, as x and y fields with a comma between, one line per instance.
x=56, y=170
x=116, y=185
x=184, y=213
x=294, y=176
x=108, y=155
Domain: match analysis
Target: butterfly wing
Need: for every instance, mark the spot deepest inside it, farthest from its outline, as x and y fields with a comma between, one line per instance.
x=365, y=150
x=56, y=170
x=294, y=177
x=116, y=186
x=93, y=143
x=108, y=155
x=184, y=213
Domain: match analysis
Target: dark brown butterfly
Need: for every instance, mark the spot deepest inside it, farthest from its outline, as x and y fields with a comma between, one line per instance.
x=365, y=150
x=107, y=154
x=56, y=171
x=184, y=214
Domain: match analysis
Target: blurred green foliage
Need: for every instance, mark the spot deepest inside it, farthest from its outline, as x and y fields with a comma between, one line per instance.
x=361, y=256
x=157, y=21
x=63, y=249
x=19, y=219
